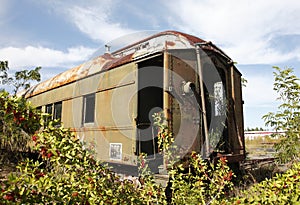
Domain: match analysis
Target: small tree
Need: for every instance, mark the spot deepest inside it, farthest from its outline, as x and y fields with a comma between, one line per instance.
x=21, y=79
x=287, y=117
x=18, y=121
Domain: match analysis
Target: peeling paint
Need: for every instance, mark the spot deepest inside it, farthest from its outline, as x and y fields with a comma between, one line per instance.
x=148, y=46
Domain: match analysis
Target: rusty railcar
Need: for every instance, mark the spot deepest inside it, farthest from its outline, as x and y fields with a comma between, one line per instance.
x=108, y=101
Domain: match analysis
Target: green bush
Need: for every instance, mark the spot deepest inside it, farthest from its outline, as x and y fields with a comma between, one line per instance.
x=66, y=173
x=281, y=189
x=193, y=180
x=18, y=121
x=287, y=117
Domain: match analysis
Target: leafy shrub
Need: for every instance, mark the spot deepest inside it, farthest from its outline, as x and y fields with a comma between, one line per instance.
x=281, y=189
x=201, y=182
x=18, y=121
x=193, y=180
x=287, y=116
x=66, y=173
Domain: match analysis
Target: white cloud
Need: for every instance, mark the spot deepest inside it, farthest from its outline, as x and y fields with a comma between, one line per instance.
x=92, y=17
x=94, y=22
x=244, y=28
x=45, y=57
x=259, y=92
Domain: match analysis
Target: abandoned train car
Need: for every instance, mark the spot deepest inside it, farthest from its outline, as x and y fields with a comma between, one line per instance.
x=109, y=100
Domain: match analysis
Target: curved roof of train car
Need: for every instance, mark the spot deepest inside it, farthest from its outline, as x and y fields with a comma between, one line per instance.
x=145, y=47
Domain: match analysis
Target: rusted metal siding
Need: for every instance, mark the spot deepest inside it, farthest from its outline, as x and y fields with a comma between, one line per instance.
x=239, y=112
x=115, y=109
x=113, y=78
x=235, y=115
x=100, y=141
x=72, y=112
x=116, y=97
x=148, y=46
x=184, y=108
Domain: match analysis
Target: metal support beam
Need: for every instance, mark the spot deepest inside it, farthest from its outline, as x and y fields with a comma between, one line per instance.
x=202, y=94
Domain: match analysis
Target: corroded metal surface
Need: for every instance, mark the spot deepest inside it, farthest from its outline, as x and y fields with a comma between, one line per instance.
x=117, y=79
x=148, y=46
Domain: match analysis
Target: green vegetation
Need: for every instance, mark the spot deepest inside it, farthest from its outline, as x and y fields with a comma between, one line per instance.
x=287, y=117
x=18, y=121
x=21, y=79
x=255, y=129
x=66, y=173
x=281, y=189
x=261, y=146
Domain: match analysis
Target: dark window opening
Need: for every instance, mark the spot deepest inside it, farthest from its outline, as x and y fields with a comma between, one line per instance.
x=54, y=111
x=57, y=111
x=89, y=108
x=49, y=109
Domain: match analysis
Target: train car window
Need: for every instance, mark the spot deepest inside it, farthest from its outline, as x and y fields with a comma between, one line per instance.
x=57, y=110
x=49, y=109
x=89, y=108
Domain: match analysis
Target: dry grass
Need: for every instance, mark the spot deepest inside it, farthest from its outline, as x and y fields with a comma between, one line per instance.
x=260, y=147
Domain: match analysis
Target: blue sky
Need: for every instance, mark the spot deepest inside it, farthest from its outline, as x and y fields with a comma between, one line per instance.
x=58, y=35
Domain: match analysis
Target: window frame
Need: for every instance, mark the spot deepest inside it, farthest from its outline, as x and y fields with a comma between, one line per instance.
x=55, y=109
x=86, y=98
x=52, y=110
x=50, y=106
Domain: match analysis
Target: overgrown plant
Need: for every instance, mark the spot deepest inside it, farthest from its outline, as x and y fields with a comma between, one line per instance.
x=193, y=180
x=200, y=182
x=281, y=189
x=65, y=174
x=165, y=141
x=287, y=116
x=18, y=121
x=152, y=192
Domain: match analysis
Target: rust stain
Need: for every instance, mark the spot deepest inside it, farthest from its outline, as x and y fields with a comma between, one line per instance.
x=117, y=62
x=117, y=58
x=170, y=43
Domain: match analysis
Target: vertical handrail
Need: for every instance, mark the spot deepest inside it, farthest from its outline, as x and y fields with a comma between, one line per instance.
x=200, y=74
x=166, y=86
x=152, y=139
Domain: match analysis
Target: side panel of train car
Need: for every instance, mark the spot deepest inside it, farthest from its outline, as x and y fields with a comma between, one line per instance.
x=109, y=100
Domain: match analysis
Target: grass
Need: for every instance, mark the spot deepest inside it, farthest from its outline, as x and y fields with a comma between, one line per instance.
x=261, y=147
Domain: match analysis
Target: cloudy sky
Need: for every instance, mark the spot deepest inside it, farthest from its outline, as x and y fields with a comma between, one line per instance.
x=59, y=34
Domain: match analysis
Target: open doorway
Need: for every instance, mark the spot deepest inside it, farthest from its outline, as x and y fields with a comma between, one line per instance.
x=150, y=101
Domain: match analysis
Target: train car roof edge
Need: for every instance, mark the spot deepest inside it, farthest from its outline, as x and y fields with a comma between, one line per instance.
x=153, y=44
